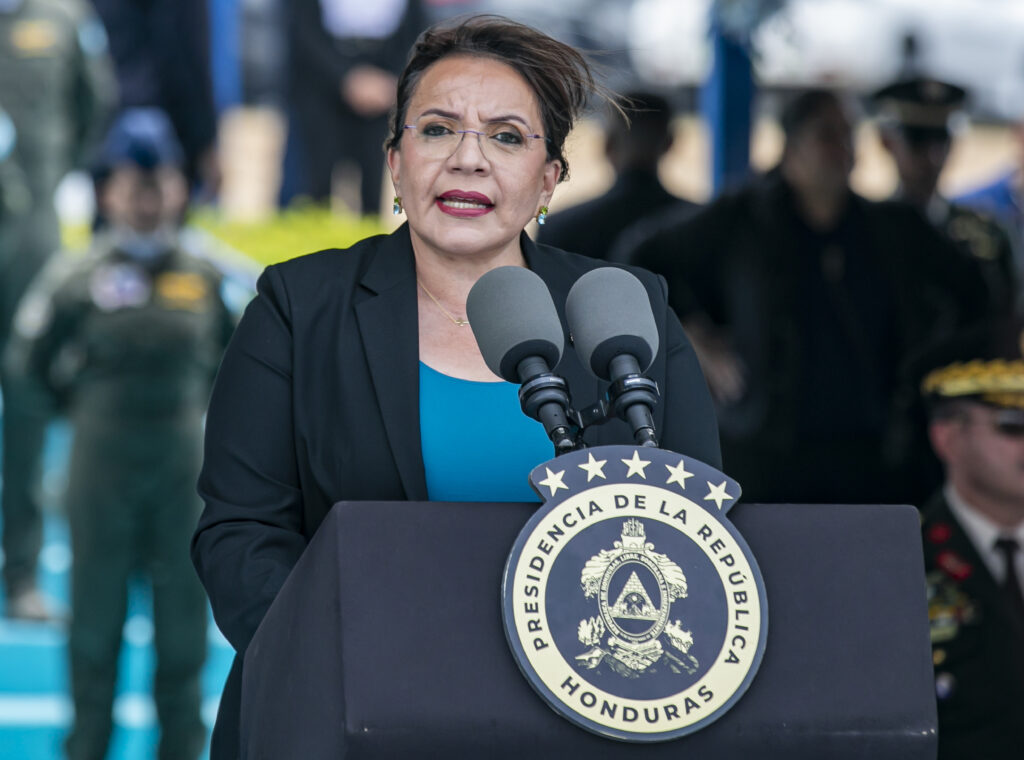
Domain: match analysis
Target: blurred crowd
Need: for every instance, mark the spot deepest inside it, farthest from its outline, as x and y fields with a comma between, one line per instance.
x=839, y=336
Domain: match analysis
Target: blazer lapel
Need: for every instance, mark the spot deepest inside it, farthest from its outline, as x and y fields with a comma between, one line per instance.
x=388, y=324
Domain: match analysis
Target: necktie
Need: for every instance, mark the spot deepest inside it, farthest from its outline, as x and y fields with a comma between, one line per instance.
x=1008, y=547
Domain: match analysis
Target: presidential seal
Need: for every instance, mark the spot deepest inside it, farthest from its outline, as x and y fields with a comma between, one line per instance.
x=633, y=607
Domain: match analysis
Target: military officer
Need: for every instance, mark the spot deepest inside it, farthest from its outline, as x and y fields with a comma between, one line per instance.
x=973, y=530
x=914, y=124
x=127, y=343
x=57, y=85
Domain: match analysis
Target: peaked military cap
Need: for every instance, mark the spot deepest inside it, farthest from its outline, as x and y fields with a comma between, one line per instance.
x=984, y=363
x=919, y=104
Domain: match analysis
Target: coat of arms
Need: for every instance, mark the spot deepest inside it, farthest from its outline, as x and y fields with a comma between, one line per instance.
x=635, y=633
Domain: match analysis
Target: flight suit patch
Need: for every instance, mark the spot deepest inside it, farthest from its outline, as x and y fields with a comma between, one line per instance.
x=34, y=38
x=182, y=290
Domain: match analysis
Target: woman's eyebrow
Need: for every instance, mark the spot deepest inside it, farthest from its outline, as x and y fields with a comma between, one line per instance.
x=440, y=112
x=454, y=116
x=508, y=117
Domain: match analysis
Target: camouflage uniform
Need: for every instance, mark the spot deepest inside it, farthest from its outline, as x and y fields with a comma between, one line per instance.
x=56, y=83
x=128, y=349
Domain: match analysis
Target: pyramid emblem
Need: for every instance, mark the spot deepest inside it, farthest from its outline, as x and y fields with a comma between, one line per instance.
x=633, y=602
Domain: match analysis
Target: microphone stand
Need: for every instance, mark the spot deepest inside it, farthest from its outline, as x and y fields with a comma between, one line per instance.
x=632, y=397
x=544, y=396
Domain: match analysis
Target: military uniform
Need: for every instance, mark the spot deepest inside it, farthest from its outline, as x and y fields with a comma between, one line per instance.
x=988, y=244
x=1001, y=200
x=914, y=117
x=971, y=388
x=57, y=85
x=977, y=646
x=128, y=349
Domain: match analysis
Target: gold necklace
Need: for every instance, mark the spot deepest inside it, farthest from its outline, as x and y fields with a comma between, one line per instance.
x=454, y=320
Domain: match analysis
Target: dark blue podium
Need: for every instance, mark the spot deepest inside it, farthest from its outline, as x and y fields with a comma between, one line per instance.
x=386, y=642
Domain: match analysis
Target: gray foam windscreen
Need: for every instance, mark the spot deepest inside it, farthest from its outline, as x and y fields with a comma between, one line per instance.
x=512, y=317
x=609, y=313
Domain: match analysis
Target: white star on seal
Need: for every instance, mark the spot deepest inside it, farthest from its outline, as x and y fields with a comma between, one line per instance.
x=636, y=466
x=553, y=481
x=593, y=467
x=717, y=494
x=678, y=474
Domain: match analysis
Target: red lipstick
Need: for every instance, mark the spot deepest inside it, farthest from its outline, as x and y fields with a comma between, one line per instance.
x=464, y=203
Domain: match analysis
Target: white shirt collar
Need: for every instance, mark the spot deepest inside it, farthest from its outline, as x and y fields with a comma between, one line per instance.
x=982, y=533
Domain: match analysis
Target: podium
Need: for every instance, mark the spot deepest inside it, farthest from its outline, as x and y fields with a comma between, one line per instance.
x=386, y=641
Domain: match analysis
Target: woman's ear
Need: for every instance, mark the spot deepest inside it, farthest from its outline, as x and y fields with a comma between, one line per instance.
x=552, y=171
x=394, y=161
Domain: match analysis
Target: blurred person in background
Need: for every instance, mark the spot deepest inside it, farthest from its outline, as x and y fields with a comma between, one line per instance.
x=634, y=150
x=344, y=57
x=972, y=385
x=914, y=124
x=161, y=54
x=802, y=299
x=15, y=204
x=127, y=342
x=57, y=87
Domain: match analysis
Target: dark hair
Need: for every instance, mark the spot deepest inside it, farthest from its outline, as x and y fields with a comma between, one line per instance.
x=557, y=73
x=804, y=107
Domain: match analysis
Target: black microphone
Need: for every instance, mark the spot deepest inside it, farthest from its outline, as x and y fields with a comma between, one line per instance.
x=616, y=338
x=520, y=336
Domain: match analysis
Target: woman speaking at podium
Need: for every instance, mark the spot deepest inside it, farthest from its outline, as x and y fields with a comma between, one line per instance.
x=354, y=374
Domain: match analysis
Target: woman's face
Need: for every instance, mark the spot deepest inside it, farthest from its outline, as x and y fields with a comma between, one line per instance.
x=475, y=199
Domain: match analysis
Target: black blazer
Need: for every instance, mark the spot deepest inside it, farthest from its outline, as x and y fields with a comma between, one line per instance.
x=317, y=402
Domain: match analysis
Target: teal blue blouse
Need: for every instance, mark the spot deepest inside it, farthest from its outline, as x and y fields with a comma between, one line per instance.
x=477, y=443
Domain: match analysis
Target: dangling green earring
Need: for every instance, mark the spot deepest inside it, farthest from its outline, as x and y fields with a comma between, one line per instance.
x=396, y=206
x=542, y=215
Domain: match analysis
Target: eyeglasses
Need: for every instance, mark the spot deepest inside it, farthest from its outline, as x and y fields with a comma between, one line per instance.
x=438, y=138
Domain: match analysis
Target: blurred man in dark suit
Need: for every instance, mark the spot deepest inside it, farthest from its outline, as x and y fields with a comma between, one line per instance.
x=802, y=299
x=161, y=52
x=343, y=61
x=634, y=150
x=973, y=387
